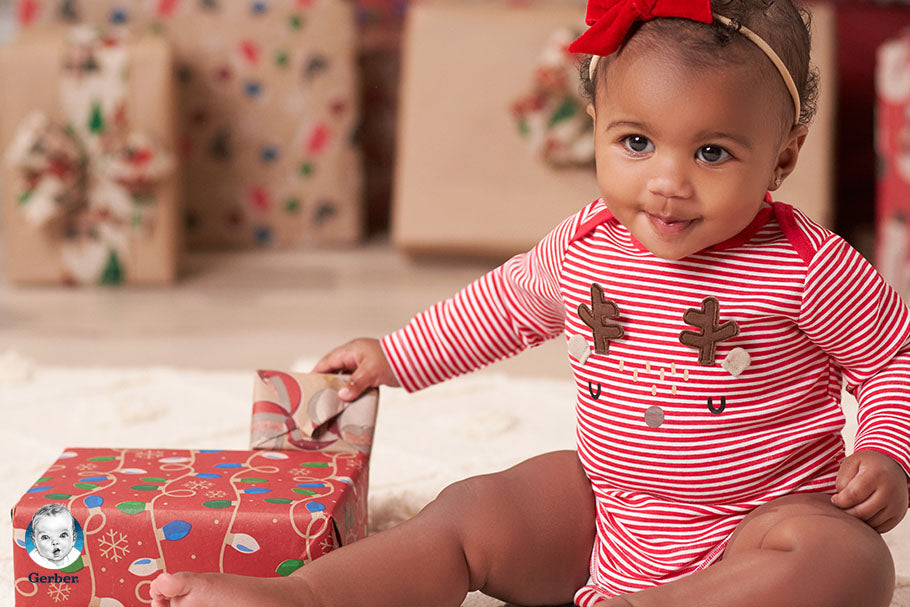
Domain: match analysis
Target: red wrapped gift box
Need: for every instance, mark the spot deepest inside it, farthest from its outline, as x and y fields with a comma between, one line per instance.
x=139, y=512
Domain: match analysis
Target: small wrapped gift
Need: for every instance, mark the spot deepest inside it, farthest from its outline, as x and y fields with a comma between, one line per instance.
x=124, y=515
x=303, y=411
x=87, y=138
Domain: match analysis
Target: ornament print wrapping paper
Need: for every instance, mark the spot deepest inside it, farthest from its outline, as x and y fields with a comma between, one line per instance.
x=86, y=131
x=143, y=511
x=267, y=112
x=303, y=411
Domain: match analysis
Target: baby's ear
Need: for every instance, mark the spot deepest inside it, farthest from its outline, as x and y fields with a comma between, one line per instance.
x=789, y=151
x=591, y=112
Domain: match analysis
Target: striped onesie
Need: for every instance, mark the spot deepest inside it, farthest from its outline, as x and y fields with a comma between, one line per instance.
x=707, y=386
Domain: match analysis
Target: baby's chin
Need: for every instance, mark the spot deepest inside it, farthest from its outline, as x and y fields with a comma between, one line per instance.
x=56, y=556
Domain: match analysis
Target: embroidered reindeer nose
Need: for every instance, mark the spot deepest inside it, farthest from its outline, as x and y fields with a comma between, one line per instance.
x=598, y=317
x=654, y=416
x=710, y=330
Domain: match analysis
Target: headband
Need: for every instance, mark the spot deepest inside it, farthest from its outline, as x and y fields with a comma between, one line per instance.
x=610, y=21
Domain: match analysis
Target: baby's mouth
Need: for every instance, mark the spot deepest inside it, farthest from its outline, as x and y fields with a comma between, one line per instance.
x=667, y=225
x=56, y=553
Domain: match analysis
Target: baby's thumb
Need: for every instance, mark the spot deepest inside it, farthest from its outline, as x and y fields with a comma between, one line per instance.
x=354, y=387
x=848, y=471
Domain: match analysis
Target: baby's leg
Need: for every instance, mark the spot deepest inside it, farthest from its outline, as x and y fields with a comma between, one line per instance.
x=797, y=550
x=524, y=535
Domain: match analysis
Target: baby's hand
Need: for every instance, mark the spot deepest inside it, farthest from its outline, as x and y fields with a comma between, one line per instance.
x=364, y=359
x=872, y=487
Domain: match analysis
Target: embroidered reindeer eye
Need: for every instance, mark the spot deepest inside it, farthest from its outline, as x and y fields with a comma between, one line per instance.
x=595, y=394
x=717, y=409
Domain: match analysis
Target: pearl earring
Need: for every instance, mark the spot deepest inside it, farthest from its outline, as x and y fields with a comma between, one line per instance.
x=777, y=181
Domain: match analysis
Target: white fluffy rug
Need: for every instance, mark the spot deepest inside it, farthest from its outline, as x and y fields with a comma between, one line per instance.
x=423, y=441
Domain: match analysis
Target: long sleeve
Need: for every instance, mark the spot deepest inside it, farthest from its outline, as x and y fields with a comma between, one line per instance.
x=860, y=321
x=516, y=306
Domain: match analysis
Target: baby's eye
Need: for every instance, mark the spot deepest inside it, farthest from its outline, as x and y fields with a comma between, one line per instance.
x=712, y=154
x=638, y=144
x=65, y=535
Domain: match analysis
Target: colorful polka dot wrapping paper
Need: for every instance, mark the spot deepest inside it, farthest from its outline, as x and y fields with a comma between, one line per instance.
x=139, y=512
x=267, y=112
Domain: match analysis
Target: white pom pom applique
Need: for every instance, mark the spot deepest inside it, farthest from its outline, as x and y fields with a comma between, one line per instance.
x=737, y=361
x=579, y=348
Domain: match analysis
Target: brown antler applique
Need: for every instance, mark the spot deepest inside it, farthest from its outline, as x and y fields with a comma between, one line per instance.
x=710, y=332
x=598, y=318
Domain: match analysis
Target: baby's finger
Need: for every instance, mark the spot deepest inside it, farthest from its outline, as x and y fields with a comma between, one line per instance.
x=880, y=520
x=351, y=389
x=356, y=384
x=339, y=359
x=847, y=472
x=857, y=491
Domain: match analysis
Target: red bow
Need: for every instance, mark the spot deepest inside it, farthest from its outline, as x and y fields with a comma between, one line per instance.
x=610, y=20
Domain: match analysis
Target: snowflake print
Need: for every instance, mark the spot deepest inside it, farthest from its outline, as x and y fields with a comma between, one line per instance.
x=87, y=466
x=328, y=544
x=197, y=484
x=149, y=454
x=58, y=592
x=114, y=545
x=215, y=493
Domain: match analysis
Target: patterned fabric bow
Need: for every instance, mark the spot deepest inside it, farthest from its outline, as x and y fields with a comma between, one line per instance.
x=51, y=161
x=302, y=411
x=90, y=177
x=610, y=20
x=59, y=176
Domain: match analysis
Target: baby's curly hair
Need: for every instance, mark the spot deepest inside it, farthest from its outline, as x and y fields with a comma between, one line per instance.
x=783, y=24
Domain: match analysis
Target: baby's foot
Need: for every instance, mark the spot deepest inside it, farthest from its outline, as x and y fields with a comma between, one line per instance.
x=220, y=589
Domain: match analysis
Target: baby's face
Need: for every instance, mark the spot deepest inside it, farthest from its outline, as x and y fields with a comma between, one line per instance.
x=685, y=154
x=54, y=536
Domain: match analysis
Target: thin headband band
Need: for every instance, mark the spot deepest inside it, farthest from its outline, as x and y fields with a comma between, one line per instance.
x=761, y=44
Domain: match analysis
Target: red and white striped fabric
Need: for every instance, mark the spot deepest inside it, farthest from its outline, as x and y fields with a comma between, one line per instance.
x=678, y=452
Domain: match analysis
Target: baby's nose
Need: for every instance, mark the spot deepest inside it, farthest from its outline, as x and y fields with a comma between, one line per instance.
x=670, y=180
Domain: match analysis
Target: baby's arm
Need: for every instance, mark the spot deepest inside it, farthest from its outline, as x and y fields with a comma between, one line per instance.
x=513, y=307
x=364, y=359
x=860, y=321
x=872, y=487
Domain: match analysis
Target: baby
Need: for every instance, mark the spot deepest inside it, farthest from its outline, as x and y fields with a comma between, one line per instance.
x=709, y=331
x=54, y=535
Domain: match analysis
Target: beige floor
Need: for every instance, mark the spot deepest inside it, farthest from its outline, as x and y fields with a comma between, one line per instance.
x=240, y=310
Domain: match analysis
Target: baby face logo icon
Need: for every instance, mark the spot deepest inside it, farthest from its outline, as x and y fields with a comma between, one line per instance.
x=54, y=537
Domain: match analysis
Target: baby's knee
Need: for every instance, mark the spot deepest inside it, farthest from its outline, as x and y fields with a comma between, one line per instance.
x=476, y=513
x=849, y=557
x=470, y=506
